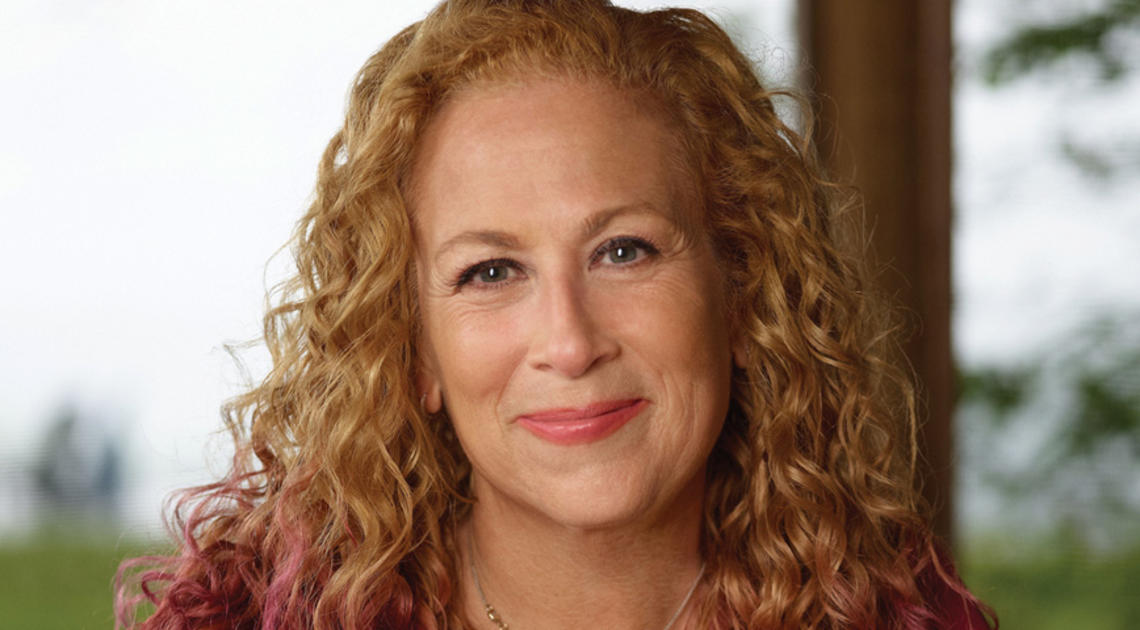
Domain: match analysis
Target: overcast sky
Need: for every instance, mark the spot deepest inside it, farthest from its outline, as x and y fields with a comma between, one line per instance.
x=155, y=154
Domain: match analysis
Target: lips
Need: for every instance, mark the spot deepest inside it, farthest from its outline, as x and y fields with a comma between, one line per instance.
x=582, y=425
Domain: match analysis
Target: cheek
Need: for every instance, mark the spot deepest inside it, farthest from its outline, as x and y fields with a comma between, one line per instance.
x=476, y=352
x=683, y=337
x=680, y=339
x=680, y=320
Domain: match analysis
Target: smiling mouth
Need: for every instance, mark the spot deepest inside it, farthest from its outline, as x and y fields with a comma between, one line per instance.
x=582, y=425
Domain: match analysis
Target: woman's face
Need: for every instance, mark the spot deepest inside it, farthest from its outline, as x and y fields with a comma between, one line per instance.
x=574, y=315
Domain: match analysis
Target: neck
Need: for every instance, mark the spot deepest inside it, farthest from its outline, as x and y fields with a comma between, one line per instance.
x=539, y=574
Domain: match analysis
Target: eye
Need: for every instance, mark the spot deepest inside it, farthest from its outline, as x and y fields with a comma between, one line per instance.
x=624, y=250
x=493, y=273
x=488, y=272
x=622, y=254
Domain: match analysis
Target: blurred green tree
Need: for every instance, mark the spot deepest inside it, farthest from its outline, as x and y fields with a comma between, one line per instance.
x=1081, y=400
x=1069, y=417
x=1096, y=35
x=1105, y=43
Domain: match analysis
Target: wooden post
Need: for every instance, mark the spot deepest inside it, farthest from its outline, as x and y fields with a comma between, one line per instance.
x=881, y=72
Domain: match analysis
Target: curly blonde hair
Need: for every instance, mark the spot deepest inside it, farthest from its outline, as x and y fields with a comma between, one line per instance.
x=340, y=509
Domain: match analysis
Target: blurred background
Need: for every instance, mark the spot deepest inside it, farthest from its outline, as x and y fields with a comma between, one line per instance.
x=154, y=157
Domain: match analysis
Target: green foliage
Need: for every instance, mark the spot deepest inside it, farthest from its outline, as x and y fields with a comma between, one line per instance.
x=1107, y=410
x=1089, y=35
x=1083, y=397
x=57, y=584
x=1103, y=43
x=1057, y=586
x=1002, y=390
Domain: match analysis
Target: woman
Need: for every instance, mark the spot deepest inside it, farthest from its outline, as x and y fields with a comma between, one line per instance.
x=571, y=344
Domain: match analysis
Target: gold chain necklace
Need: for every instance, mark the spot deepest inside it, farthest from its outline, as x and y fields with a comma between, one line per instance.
x=496, y=619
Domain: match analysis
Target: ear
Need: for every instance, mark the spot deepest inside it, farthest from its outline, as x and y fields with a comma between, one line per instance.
x=740, y=353
x=739, y=340
x=741, y=347
x=428, y=390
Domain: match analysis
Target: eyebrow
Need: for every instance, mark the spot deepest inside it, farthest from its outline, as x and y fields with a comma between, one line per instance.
x=599, y=220
x=591, y=226
x=479, y=237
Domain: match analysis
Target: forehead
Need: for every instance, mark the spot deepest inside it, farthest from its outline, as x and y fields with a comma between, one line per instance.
x=544, y=141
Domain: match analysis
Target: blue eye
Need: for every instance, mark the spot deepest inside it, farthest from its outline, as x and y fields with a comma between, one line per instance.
x=488, y=272
x=622, y=254
x=493, y=273
x=625, y=250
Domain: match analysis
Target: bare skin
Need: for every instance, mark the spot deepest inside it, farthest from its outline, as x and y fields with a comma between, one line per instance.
x=559, y=271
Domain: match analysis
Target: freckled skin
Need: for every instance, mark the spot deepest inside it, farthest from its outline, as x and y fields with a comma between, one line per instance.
x=571, y=311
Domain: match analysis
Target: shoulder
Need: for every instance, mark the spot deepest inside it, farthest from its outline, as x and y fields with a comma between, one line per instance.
x=954, y=607
x=957, y=611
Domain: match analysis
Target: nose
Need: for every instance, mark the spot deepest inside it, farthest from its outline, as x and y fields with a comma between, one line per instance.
x=568, y=339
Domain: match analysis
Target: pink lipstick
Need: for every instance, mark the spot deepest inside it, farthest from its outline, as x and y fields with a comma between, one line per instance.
x=583, y=424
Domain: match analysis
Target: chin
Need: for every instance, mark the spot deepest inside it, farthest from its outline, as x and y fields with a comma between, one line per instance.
x=607, y=502
x=596, y=514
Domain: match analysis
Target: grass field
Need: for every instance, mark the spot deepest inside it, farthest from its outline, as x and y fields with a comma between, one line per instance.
x=1057, y=588
x=47, y=584
x=55, y=585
